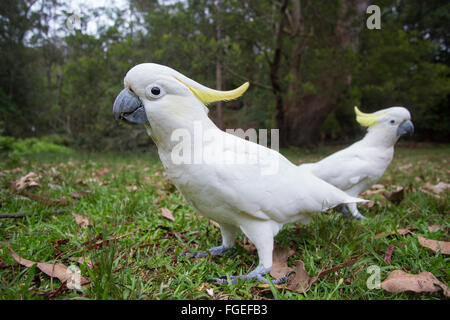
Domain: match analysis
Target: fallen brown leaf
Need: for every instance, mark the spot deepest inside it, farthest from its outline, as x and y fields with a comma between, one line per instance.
x=160, y=198
x=400, y=281
x=436, y=246
x=79, y=194
x=174, y=234
x=399, y=231
x=371, y=191
x=102, y=172
x=388, y=254
x=60, y=242
x=132, y=188
x=166, y=213
x=81, y=182
x=279, y=261
x=84, y=261
x=405, y=167
x=247, y=245
x=57, y=270
x=28, y=181
x=395, y=196
x=54, y=174
x=374, y=189
x=98, y=181
x=300, y=281
x=369, y=204
x=438, y=188
x=81, y=220
x=46, y=200
x=215, y=224
x=15, y=170
x=435, y=228
x=54, y=186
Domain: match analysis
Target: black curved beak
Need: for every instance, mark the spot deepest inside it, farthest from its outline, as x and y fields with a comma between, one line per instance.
x=406, y=127
x=129, y=107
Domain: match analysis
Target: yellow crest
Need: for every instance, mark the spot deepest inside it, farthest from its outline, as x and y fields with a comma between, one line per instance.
x=366, y=119
x=207, y=95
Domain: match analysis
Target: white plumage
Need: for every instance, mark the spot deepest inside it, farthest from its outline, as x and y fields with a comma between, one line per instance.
x=243, y=186
x=362, y=164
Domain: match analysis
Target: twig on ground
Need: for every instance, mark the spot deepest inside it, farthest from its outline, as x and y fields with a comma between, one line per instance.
x=21, y=215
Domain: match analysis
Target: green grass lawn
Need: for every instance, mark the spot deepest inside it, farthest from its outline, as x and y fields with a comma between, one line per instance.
x=122, y=195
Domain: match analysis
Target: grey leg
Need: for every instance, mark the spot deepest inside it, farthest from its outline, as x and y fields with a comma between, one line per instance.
x=261, y=234
x=355, y=212
x=229, y=233
x=345, y=211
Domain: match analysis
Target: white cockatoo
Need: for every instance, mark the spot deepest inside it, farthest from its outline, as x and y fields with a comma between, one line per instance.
x=241, y=185
x=362, y=164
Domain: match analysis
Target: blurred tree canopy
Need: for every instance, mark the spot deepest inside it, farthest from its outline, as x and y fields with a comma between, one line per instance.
x=309, y=62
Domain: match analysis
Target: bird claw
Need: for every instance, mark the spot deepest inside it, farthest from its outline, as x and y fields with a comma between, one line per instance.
x=215, y=251
x=200, y=254
x=357, y=215
x=256, y=275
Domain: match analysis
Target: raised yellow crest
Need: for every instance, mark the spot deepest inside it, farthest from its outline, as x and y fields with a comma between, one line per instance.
x=366, y=119
x=207, y=95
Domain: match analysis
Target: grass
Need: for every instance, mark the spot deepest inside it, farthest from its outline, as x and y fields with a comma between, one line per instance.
x=126, y=199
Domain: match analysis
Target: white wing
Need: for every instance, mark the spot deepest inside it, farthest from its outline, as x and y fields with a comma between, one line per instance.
x=285, y=194
x=350, y=167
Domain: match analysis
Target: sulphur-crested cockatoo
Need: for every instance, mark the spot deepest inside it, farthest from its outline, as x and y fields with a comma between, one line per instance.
x=359, y=166
x=241, y=185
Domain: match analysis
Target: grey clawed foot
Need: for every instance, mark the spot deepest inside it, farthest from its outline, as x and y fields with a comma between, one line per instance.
x=215, y=251
x=359, y=216
x=352, y=213
x=256, y=275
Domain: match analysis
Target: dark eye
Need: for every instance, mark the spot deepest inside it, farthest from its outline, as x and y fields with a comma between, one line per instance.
x=156, y=91
x=392, y=121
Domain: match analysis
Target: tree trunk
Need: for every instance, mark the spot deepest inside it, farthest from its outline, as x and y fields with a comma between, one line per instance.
x=219, y=105
x=305, y=114
x=274, y=67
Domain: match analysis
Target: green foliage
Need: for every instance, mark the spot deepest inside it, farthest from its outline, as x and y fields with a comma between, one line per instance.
x=65, y=83
x=6, y=105
x=399, y=72
x=331, y=126
x=56, y=139
x=6, y=143
x=32, y=146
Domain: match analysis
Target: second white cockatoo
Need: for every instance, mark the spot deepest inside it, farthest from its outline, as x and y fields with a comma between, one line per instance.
x=243, y=186
x=356, y=168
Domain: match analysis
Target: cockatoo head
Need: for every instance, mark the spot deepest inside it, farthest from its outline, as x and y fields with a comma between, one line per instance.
x=392, y=122
x=155, y=93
